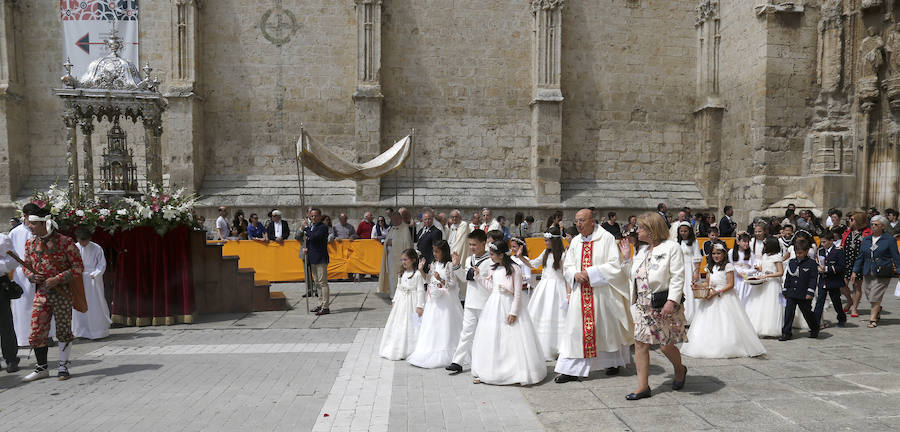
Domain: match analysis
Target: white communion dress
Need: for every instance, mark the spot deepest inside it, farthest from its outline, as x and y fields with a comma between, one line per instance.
x=505, y=353
x=764, y=303
x=402, y=329
x=441, y=320
x=546, y=306
x=721, y=328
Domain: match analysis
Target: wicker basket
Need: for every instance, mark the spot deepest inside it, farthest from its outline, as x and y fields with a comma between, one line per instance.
x=702, y=292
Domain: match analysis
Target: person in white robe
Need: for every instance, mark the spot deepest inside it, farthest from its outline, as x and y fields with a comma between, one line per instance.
x=397, y=240
x=549, y=297
x=599, y=329
x=401, y=331
x=690, y=250
x=93, y=324
x=506, y=349
x=442, y=316
x=477, y=293
x=721, y=328
x=458, y=238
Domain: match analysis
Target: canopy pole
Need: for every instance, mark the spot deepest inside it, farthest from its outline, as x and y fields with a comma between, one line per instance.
x=412, y=148
x=301, y=177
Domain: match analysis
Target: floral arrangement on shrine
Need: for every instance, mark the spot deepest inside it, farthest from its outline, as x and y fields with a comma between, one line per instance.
x=161, y=210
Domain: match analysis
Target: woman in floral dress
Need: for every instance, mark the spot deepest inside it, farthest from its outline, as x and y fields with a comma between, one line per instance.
x=657, y=271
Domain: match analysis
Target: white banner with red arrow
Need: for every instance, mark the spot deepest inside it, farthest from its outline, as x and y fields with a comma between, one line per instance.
x=87, y=23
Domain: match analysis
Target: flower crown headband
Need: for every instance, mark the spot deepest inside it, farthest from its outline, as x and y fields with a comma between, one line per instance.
x=550, y=236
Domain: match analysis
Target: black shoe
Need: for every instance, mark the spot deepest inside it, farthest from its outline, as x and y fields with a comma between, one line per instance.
x=316, y=309
x=305, y=295
x=842, y=324
x=678, y=385
x=323, y=311
x=453, y=367
x=12, y=366
x=637, y=396
x=784, y=338
x=612, y=370
x=813, y=334
x=563, y=378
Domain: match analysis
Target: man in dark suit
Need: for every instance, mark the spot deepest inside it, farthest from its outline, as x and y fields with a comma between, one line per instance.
x=316, y=251
x=832, y=266
x=278, y=230
x=799, y=289
x=427, y=237
x=661, y=209
x=726, y=225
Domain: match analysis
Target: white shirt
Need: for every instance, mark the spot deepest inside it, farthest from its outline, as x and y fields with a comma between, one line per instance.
x=277, y=228
x=7, y=264
x=875, y=242
x=222, y=224
x=453, y=230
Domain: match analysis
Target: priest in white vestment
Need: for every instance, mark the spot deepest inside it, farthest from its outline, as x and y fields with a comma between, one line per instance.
x=598, y=325
x=396, y=240
x=457, y=236
x=93, y=324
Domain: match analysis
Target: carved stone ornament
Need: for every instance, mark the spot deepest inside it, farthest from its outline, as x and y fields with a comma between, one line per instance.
x=769, y=8
x=707, y=10
x=869, y=4
x=537, y=5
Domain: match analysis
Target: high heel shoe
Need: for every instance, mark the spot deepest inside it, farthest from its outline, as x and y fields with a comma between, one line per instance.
x=638, y=396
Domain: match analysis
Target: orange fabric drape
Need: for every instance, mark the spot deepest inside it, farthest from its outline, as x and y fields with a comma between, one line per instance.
x=282, y=263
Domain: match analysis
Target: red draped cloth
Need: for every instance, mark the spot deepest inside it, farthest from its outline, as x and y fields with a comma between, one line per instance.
x=149, y=277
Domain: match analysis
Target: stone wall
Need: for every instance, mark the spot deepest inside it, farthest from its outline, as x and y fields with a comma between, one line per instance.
x=628, y=82
x=704, y=102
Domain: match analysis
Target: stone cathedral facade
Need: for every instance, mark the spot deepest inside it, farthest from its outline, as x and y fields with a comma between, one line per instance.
x=516, y=104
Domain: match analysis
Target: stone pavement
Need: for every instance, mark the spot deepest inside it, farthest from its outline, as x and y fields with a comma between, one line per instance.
x=293, y=371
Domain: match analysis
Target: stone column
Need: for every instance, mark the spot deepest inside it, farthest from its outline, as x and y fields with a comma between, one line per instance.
x=72, y=152
x=184, y=119
x=368, y=97
x=546, y=105
x=14, y=164
x=87, y=128
x=152, y=133
x=708, y=116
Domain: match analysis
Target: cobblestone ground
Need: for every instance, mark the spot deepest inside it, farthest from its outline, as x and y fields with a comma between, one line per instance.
x=293, y=371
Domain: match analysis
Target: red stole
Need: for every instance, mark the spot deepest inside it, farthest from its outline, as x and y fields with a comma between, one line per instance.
x=587, y=304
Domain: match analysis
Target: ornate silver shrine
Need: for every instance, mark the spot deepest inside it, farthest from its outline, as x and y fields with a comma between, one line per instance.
x=118, y=175
x=112, y=88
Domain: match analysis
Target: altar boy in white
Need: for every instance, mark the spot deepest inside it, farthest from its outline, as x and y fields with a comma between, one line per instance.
x=477, y=292
x=93, y=324
x=599, y=330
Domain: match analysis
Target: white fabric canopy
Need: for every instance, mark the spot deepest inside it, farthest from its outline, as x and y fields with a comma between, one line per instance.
x=330, y=166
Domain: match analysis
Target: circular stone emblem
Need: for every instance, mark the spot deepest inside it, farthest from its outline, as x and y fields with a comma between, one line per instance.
x=278, y=25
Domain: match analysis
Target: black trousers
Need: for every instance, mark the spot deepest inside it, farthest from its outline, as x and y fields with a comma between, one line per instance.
x=821, y=296
x=8, y=344
x=805, y=309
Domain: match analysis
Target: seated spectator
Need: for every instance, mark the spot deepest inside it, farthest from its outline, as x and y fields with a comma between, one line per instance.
x=240, y=223
x=235, y=234
x=364, y=229
x=255, y=229
x=612, y=226
x=344, y=230
x=380, y=230
x=630, y=227
x=893, y=225
x=331, y=234
x=278, y=230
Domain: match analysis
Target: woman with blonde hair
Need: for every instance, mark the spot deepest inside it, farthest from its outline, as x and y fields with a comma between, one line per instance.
x=657, y=283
